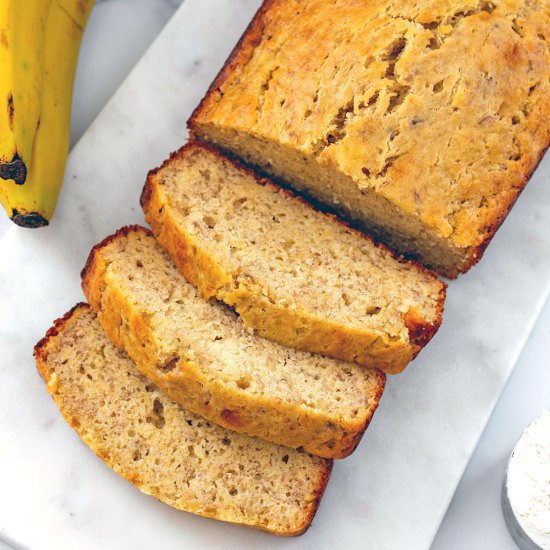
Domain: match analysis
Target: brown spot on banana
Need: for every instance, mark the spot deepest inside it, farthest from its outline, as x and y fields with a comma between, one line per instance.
x=14, y=170
x=11, y=110
x=82, y=6
x=4, y=39
x=29, y=219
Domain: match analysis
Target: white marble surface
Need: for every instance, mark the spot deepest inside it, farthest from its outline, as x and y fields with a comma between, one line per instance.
x=117, y=35
x=474, y=520
x=68, y=484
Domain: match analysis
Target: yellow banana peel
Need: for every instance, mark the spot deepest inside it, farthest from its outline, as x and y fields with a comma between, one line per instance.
x=22, y=38
x=33, y=153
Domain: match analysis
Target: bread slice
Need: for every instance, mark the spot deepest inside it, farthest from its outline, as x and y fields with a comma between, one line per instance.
x=201, y=355
x=166, y=451
x=420, y=121
x=296, y=276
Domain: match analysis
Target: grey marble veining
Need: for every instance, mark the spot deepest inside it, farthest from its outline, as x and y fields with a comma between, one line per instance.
x=392, y=493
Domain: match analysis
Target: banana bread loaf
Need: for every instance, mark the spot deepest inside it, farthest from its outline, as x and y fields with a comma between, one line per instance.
x=295, y=275
x=421, y=121
x=166, y=451
x=201, y=355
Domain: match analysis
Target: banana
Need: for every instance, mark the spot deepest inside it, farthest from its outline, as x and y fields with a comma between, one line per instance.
x=32, y=203
x=22, y=34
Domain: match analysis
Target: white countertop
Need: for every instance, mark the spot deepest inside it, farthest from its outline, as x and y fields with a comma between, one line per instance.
x=118, y=34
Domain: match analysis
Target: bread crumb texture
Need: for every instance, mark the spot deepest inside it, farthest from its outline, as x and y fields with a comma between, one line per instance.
x=166, y=451
x=295, y=275
x=421, y=120
x=202, y=355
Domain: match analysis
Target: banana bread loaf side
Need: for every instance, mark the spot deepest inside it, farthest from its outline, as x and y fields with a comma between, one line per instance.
x=420, y=121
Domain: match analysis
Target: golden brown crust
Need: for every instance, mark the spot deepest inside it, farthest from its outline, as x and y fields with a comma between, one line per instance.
x=244, y=48
x=493, y=110
x=323, y=480
x=499, y=216
x=421, y=332
x=273, y=320
x=40, y=349
x=71, y=416
x=122, y=232
x=284, y=423
x=89, y=272
x=354, y=439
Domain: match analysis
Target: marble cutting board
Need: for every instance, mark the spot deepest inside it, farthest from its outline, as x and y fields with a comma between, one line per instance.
x=391, y=494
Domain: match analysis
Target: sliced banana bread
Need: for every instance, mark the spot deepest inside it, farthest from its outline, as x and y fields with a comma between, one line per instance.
x=202, y=355
x=421, y=121
x=295, y=275
x=166, y=451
